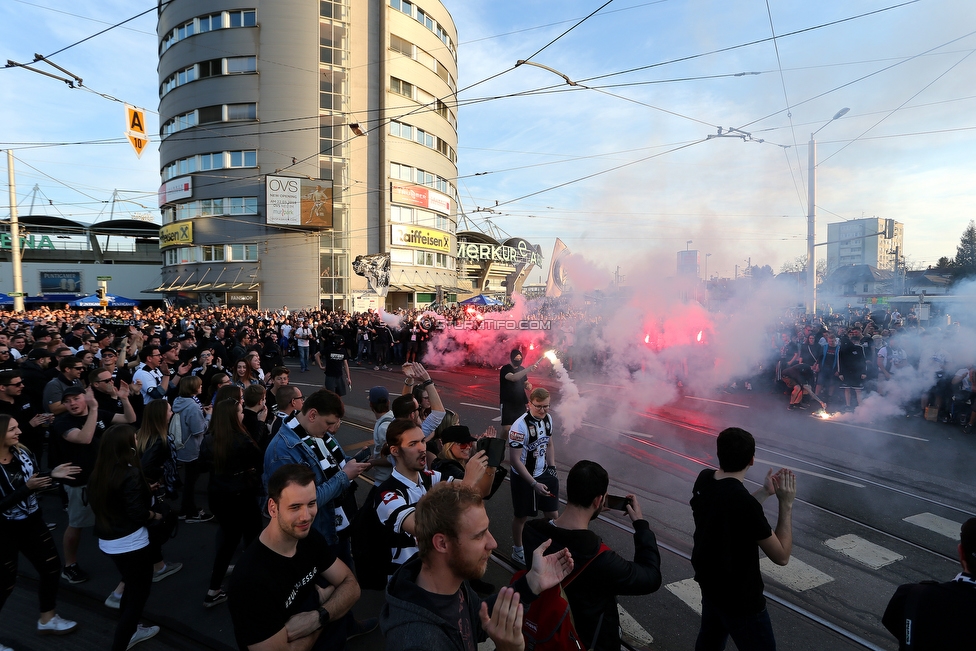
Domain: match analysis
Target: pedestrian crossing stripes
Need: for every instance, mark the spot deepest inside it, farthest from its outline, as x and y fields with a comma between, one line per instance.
x=946, y=527
x=688, y=592
x=863, y=551
x=796, y=575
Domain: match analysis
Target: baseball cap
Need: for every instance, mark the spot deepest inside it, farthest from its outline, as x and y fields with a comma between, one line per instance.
x=110, y=350
x=38, y=353
x=73, y=391
x=378, y=394
x=457, y=434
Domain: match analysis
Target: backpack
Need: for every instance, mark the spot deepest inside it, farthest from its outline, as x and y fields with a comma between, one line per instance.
x=176, y=431
x=371, y=543
x=548, y=624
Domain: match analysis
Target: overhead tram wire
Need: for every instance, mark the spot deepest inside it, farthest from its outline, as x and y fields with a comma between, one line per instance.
x=749, y=43
x=895, y=110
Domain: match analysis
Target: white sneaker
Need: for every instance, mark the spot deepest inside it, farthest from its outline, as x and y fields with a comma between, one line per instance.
x=142, y=634
x=113, y=602
x=56, y=626
x=519, y=556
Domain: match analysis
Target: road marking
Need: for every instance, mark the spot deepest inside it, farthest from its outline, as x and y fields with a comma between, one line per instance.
x=471, y=404
x=487, y=645
x=688, y=592
x=946, y=527
x=609, y=386
x=797, y=575
x=631, y=629
x=720, y=402
x=763, y=462
x=863, y=551
x=496, y=419
x=871, y=429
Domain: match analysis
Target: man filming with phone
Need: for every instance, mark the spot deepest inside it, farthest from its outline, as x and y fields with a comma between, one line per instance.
x=592, y=593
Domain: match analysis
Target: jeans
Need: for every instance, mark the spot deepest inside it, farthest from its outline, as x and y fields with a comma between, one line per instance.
x=31, y=538
x=303, y=357
x=136, y=569
x=749, y=632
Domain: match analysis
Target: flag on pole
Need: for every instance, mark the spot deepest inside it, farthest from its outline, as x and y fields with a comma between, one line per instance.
x=558, y=279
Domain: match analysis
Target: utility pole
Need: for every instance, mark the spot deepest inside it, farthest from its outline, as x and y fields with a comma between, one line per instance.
x=18, y=292
x=617, y=278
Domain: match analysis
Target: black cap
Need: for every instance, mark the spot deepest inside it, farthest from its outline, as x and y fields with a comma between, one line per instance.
x=38, y=353
x=73, y=391
x=457, y=434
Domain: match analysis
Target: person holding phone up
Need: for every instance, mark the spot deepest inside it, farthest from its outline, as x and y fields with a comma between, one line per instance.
x=592, y=594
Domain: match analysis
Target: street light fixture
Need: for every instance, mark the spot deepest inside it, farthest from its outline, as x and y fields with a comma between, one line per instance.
x=811, y=307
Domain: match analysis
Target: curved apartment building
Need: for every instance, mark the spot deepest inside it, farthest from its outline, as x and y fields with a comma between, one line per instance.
x=353, y=102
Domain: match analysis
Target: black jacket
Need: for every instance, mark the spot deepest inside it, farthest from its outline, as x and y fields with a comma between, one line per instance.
x=937, y=614
x=127, y=508
x=240, y=473
x=594, y=592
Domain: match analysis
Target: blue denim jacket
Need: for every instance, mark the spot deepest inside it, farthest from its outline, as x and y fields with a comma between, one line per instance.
x=287, y=448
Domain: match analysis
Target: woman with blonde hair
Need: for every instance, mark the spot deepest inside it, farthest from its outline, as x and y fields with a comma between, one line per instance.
x=22, y=528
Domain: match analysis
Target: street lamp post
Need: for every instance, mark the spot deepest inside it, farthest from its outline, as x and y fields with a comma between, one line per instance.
x=811, y=307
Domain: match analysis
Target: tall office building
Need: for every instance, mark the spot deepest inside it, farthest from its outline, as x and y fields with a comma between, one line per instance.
x=865, y=241
x=298, y=136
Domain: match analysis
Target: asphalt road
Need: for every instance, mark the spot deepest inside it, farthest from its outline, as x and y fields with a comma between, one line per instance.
x=876, y=507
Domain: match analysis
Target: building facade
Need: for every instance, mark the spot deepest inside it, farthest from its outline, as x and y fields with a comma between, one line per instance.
x=349, y=103
x=873, y=242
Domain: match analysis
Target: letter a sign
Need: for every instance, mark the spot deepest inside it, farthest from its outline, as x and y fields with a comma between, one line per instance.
x=135, y=128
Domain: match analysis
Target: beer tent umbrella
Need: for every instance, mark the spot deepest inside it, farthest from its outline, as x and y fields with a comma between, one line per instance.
x=113, y=301
x=480, y=299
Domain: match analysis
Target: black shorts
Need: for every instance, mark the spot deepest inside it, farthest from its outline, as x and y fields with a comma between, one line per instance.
x=527, y=503
x=511, y=412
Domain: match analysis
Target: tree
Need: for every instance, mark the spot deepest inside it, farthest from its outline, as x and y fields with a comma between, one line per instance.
x=944, y=264
x=799, y=263
x=965, y=261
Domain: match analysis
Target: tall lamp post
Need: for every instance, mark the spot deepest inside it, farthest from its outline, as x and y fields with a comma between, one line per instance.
x=811, y=307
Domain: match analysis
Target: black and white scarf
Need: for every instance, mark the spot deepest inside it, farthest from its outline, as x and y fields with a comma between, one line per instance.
x=10, y=482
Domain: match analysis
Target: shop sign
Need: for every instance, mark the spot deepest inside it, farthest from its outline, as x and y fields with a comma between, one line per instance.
x=175, y=189
x=28, y=242
x=519, y=254
x=176, y=234
x=417, y=237
x=242, y=298
x=416, y=195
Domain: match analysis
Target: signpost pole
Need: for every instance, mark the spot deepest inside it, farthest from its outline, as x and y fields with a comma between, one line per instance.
x=18, y=292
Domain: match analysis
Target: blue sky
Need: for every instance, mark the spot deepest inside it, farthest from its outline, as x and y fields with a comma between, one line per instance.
x=904, y=150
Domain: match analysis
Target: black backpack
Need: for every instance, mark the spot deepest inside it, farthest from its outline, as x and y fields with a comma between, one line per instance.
x=372, y=543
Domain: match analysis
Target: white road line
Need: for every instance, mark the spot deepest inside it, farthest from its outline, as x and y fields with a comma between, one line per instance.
x=720, y=402
x=871, y=429
x=471, y=404
x=863, y=551
x=487, y=645
x=609, y=386
x=938, y=524
x=688, y=592
x=797, y=575
x=763, y=462
x=631, y=629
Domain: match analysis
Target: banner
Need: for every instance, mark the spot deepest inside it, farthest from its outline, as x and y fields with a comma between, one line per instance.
x=418, y=237
x=376, y=269
x=176, y=234
x=293, y=201
x=558, y=278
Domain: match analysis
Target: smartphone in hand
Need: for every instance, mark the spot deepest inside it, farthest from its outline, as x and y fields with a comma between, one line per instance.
x=364, y=455
x=617, y=503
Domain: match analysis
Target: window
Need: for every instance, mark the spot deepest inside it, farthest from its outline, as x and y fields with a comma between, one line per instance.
x=243, y=252
x=243, y=158
x=401, y=45
x=401, y=215
x=401, y=256
x=401, y=87
x=207, y=23
x=178, y=78
x=211, y=68
x=212, y=253
x=208, y=207
x=244, y=18
x=240, y=65
x=211, y=114
x=426, y=139
x=400, y=129
x=242, y=111
x=178, y=123
x=401, y=172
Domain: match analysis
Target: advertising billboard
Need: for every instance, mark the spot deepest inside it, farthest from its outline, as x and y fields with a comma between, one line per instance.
x=299, y=202
x=60, y=282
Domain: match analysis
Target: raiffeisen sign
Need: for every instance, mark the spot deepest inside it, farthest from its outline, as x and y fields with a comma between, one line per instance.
x=521, y=253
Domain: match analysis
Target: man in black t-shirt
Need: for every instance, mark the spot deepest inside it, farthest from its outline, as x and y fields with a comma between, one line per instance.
x=26, y=412
x=512, y=387
x=75, y=436
x=729, y=524
x=930, y=616
x=278, y=589
x=332, y=359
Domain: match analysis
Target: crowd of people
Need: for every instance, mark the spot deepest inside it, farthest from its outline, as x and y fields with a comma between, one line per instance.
x=129, y=412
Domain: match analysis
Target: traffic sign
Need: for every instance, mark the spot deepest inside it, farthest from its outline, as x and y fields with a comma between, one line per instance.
x=101, y=278
x=103, y=303
x=16, y=294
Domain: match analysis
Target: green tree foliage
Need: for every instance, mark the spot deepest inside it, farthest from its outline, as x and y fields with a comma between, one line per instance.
x=965, y=261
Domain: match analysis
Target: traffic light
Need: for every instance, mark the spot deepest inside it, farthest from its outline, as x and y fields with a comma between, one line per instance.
x=889, y=228
x=100, y=292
